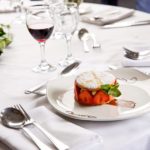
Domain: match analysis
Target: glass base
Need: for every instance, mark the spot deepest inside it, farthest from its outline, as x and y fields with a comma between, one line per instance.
x=67, y=61
x=44, y=68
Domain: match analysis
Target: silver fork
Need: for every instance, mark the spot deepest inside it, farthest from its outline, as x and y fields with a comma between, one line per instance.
x=57, y=143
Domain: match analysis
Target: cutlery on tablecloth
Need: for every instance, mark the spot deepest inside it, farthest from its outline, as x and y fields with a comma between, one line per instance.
x=40, y=92
x=95, y=42
x=84, y=36
x=65, y=71
x=13, y=118
x=126, y=24
x=28, y=120
x=135, y=55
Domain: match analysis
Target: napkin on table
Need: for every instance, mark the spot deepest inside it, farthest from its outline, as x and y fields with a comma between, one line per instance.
x=108, y=18
x=76, y=137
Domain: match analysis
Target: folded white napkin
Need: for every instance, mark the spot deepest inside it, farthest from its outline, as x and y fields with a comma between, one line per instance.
x=108, y=17
x=136, y=63
x=76, y=137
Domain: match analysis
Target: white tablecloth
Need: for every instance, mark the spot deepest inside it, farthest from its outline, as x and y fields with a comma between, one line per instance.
x=23, y=54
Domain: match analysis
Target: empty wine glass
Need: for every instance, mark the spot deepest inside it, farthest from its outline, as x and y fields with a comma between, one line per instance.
x=40, y=24
x=69, y=19
x=57, y=6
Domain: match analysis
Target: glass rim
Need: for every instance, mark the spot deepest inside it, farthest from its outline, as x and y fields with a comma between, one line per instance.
x=38, y=6
x=35, y=8
x=71, y=4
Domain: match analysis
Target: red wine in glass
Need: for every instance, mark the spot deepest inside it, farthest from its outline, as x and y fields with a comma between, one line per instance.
x=41, y=32
x=40, y=24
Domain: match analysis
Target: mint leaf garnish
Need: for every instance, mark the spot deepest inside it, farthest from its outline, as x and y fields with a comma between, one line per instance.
x=111, y=89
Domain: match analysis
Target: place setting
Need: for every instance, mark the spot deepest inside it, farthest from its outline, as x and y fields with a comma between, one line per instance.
x=47, y=132
x=62, y=93
x=90, y=82
x=112, y=18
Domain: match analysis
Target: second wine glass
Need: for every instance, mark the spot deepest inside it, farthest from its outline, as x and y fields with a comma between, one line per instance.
x=69, y=19
x=40, y=24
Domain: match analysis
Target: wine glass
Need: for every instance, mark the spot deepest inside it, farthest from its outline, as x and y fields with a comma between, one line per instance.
x=39, y=21
x=69, y=19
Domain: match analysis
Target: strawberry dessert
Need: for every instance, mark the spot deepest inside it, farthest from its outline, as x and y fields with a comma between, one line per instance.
x=95, y=88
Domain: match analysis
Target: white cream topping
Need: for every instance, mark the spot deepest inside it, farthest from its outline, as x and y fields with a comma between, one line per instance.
x=93, y=80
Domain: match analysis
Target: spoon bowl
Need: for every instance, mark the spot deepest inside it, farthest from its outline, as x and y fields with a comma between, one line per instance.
x=12, y=118
x=84, y=37
x=70, y=68
x=81, y=32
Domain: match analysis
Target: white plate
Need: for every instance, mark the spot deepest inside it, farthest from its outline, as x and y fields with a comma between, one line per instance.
x=61, y=96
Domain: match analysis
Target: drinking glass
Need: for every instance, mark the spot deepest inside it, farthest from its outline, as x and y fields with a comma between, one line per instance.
x=69, y=19
x=19, y=7
x=78, y=2
x=57, y=7
x=40, y=24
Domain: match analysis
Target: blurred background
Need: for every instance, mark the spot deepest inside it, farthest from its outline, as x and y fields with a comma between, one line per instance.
x=123, y=3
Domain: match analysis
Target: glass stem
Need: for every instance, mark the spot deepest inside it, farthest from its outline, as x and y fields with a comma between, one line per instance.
x=42, y=48
x=21, y=6
x=68, y=40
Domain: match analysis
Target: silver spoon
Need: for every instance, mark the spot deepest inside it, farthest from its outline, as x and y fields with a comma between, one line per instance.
x=84, y=34
x=13, y=118
x=65, y=71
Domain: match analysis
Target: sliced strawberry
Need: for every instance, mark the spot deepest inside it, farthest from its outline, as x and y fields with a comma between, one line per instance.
x=85, y=98
x=100, y=98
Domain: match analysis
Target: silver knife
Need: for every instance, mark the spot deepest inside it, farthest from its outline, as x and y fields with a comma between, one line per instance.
x=126, y=24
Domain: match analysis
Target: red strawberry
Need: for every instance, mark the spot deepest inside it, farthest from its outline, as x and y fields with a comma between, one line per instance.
x=100, y=98
x=85, y=97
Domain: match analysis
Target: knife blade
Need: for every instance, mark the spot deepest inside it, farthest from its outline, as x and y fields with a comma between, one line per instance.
x=126, y=24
